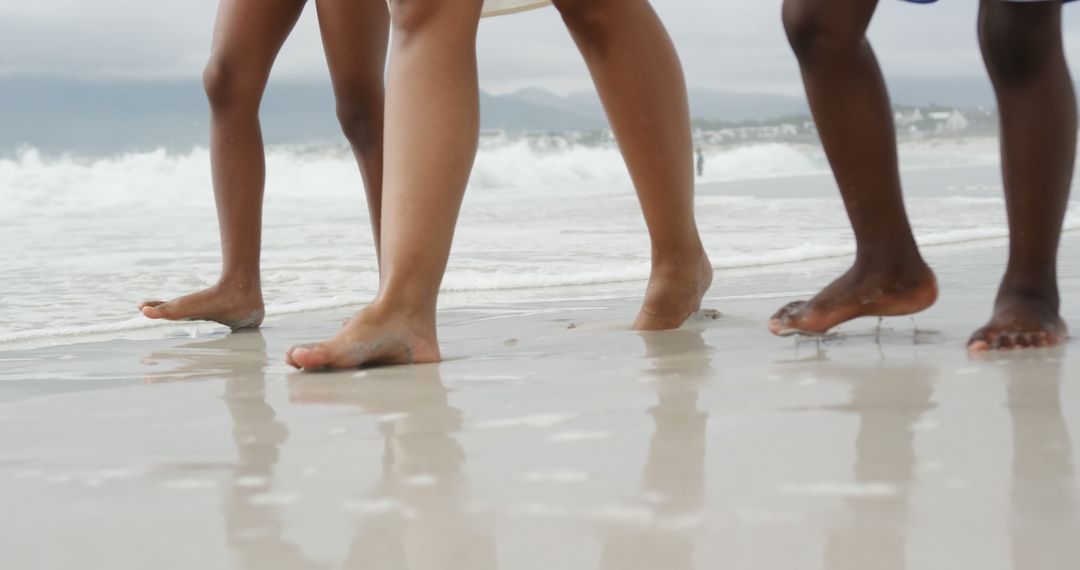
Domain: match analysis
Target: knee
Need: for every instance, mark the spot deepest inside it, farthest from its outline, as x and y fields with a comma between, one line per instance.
x=360, y=115
x=1018, y=41
x=815, y=35
x=227, y=88
x=408, y=16
x=586, y=15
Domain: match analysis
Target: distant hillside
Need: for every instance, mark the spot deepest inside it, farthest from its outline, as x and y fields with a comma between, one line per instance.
x=947, y=91
x=535, y=110
x=96, y=117
x=104, y=117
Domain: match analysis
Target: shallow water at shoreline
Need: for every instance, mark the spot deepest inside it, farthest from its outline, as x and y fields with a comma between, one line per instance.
x=91, y=239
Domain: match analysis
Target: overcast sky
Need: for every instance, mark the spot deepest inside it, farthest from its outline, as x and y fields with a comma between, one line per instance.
x=727, y=44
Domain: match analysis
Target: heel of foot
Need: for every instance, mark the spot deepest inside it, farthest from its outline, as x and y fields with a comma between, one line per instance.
x=252, y=321
x=674, y=296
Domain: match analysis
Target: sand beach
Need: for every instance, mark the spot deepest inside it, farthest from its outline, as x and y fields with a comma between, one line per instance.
x=552, y=437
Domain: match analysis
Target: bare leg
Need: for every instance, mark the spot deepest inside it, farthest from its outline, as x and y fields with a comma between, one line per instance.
x=247, y=37
x=851, y=107
x=640, y=80
x=1023, y=50
x=355, y=34
x=432, y=132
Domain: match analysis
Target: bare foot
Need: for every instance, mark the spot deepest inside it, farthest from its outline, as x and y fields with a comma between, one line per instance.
x=859, y=293
x=674, y=294
x=1021, y=321
x=374, y=337
x=235, y=307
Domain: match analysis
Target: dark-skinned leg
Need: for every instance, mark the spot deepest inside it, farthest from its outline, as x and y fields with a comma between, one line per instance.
x=640, y=80
x=1022, y=47
x=355, y=35
x=851, y=107
x=247, y=37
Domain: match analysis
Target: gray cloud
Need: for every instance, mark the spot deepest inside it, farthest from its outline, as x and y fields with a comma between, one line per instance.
x=729, y=44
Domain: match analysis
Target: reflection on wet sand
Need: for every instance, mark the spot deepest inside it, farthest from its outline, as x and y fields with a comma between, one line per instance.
x=674, y=475
x=418, y=514
x=417, y=517
x=239, y=354
x=253, y=530
x=889, y=402
x=252, y=526
x=1045, y=526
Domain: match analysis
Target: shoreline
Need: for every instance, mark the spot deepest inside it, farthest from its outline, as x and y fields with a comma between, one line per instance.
x=755, y=291
x=142, y=328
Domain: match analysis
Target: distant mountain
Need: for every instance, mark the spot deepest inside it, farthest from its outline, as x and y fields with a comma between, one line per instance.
x=534, y=110
x=103, y=117
x=728, y=106
x=704, y=104
x=966, y=92
x=590, y=107
x=716, y=105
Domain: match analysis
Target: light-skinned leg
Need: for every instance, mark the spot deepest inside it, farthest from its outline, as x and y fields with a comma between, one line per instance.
x=432, y=133
x=400, y=326
x=248, y=35
x=641, y=84
x=355, y=36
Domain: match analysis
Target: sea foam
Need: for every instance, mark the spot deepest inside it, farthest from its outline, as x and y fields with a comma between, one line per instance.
x=87, y=239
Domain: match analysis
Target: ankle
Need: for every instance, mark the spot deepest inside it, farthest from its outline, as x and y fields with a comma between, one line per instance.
x=684, y=258
x=242, y=286
x=903, y=263
x=390, y=307
x=1022, y=289
x=1037, y=276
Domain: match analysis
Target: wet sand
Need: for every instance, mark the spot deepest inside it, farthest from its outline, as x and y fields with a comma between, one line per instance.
x=555, y=438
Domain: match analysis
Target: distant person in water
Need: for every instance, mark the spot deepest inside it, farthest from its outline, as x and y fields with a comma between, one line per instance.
x=432, y=130
x=700, y=162
x=1022, y=47
x=247, y=37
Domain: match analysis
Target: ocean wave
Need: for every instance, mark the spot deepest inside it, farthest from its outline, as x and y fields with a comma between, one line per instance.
x=86, y=236
x=33, y=182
